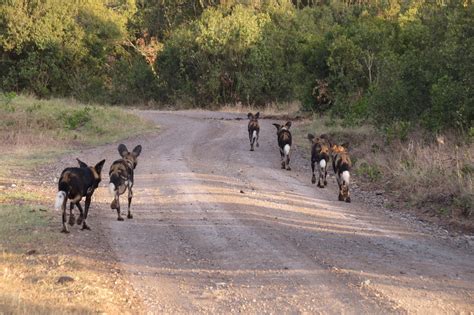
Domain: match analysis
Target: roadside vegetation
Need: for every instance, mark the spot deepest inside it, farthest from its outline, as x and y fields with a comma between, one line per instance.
x=432, y=178
x=386, y=63
x=35, y=131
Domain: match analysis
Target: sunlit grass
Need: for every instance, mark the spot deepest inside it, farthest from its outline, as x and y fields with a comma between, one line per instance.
x=287, y=109
x=23, y=225
x=27, y=120
x=9, y=196
x=29, y=281
x=35, y=131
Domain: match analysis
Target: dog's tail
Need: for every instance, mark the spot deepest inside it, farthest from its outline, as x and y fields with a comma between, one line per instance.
x=286, y=149
x=346, y=176
x=254, y=135
x=60, y=197
x=322, y=164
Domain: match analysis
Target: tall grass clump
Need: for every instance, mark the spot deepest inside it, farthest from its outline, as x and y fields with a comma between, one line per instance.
x=418, y=170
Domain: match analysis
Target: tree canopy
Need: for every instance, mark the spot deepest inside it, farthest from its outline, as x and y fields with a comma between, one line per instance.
x=387, y=62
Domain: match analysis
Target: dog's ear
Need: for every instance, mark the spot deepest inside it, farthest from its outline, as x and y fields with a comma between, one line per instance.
x=250, y=115
x=288, y=124
x=122, y=149
x=345, y=145
x=338, y=148
x=278, y=126
x=257, y=115
x=310, y=137
x=137, y=150
x=327, y=139
x=98, y=166
x=82, y=164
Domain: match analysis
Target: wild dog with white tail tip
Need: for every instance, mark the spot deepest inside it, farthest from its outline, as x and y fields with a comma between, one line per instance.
x=320, y=151
x=341, y=163
x=284, y=143
x=75, y=183
x=253, y=128
x=121, y=177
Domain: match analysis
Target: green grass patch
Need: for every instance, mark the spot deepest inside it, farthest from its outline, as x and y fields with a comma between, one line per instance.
x=23, y=226
x=370, y=172
x=9, y=196
x=35, y=131
x=27, y=159
x=65, y=120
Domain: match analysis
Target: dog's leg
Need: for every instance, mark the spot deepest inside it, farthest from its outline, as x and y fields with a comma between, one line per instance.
x=71, y=214
x=339, y=185
x=325, y=176
x=86, y=211
x=117, y=206
x=288, y=168
x=348, y=196
x=341, y=196
x=313, y=178
x=251, y=140
x=81, y=213
x=64, y=230
x=338, y=180
x=257, y=138
x=130, y=195
x=282, y=156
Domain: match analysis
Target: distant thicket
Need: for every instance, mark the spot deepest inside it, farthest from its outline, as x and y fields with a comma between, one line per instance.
x=395, y=63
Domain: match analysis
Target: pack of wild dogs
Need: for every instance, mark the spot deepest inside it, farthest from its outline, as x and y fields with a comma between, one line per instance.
x=322, y=151
x=80, y=182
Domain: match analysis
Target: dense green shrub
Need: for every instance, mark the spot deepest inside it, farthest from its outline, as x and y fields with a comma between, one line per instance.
x=390, y=63
x=76, y=118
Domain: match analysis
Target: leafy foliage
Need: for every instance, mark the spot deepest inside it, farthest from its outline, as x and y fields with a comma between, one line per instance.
x=395, y=63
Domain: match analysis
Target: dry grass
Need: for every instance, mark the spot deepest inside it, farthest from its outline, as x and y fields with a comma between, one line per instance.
x=434, y=177
x=29, y=121
x=438, y=175
x=34, y=131
x=30, y=285
x=273, y=109
x=29, y=281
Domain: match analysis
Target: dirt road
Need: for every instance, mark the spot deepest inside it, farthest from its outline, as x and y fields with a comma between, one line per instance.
x=220, y=229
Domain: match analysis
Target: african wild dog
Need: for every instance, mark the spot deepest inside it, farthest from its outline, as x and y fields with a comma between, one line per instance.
x=121, y=177
x=341, y=163
x=75, y=183
x=284, y=142
x=253, y=128
x=320, y=151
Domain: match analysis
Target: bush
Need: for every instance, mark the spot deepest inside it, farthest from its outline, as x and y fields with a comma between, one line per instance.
x=371, y=172
x=376, y=62
x=77, y=118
